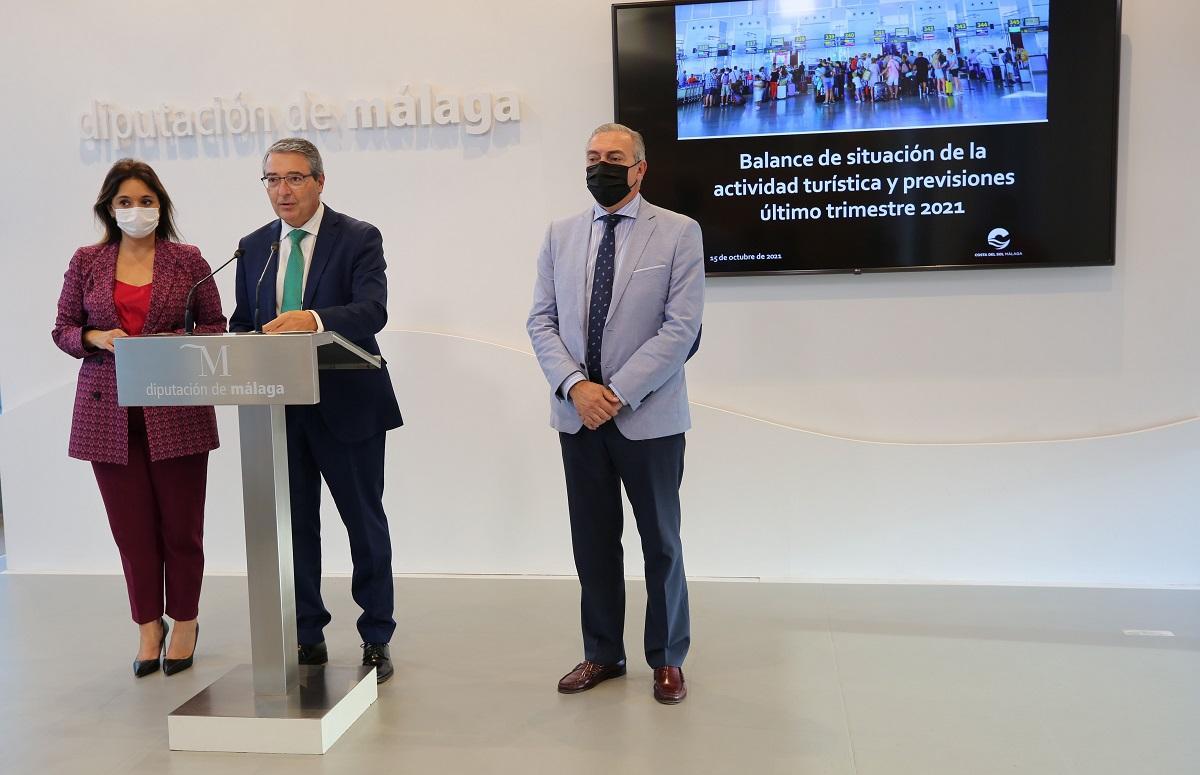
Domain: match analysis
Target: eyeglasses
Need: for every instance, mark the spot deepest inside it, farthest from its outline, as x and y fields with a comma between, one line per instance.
x=293, y=180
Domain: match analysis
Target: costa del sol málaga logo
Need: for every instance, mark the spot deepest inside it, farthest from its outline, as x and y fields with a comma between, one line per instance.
x=999, y=239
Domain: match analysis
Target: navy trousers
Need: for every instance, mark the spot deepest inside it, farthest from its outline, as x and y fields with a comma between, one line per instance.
x=596, y=464
x=354, y=475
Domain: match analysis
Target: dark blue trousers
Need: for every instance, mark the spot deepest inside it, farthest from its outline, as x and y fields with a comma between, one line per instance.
x=354, y=475
x=597, y=463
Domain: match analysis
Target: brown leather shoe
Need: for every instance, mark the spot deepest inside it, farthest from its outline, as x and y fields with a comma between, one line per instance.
x=669, y=686
x=588, y=674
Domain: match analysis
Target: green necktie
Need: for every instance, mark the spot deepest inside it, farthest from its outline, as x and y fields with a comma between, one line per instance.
x=293, y=279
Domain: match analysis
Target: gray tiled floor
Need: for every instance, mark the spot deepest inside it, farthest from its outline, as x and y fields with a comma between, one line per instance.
x=875, y=680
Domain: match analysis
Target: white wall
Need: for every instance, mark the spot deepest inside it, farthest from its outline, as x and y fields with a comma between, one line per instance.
x=950, y=394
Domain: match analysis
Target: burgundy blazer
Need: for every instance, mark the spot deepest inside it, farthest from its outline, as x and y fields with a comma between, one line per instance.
x=99, y=426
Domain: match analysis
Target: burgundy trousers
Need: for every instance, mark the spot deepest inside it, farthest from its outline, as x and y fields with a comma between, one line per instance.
x=156, y=512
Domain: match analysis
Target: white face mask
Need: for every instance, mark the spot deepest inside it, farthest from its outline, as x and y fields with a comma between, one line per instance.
x=137, y=221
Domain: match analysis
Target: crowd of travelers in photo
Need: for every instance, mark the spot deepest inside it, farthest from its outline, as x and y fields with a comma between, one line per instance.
x=861, y=78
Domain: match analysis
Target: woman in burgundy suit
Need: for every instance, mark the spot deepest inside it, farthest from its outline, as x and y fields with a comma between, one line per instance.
x=151, y=464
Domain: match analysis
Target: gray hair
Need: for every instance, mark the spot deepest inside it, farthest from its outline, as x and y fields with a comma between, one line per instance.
x=639, y=145
x=297, y=145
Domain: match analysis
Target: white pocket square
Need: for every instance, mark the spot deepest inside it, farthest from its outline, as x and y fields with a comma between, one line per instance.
x=648, y=268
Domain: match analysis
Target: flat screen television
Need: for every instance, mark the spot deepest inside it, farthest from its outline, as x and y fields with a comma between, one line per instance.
x=878, y=135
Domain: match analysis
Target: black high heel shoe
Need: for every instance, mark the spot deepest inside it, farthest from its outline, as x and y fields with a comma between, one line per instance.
x=144, y=667
x=173, y=666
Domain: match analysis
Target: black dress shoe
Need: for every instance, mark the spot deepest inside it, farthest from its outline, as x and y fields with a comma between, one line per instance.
x=173, y=666
x=144, y=667
x=316, y=654
x=378, y=656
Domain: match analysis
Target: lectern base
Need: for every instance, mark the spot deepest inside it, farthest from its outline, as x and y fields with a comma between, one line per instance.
x=228, y=716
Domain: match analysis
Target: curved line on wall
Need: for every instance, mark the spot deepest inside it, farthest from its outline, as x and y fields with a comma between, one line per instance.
x=835, y=437
x=42, y=393
x=741, y=415
x=876, y=442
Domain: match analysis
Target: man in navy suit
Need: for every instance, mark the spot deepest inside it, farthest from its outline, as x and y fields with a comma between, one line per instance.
x=328, y=275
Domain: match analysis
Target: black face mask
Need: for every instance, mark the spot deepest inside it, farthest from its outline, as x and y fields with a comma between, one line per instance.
x=609, y=183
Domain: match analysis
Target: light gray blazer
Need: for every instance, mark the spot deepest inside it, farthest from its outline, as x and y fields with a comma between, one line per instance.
x=653, y=320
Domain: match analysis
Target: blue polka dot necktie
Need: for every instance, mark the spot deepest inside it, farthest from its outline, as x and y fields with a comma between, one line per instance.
x=602, y=286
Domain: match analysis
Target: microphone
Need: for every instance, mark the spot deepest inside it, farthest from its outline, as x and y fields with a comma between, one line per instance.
x=258, y=288
x=189, y=317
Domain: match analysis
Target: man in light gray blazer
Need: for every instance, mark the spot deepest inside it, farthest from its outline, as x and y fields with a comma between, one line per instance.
x=616, y=312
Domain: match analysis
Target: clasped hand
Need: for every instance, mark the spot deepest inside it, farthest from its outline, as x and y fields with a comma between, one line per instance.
x=595, y=403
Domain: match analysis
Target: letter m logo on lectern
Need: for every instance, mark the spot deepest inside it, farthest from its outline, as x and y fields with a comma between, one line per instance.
x=209, y=366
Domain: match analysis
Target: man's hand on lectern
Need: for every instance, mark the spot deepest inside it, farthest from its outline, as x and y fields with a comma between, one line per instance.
x=296, y=320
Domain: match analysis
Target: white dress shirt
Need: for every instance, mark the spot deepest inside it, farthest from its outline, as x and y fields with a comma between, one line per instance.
x=307, y=244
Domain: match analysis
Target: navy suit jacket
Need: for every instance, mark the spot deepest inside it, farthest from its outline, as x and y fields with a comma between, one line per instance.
x=347, y=287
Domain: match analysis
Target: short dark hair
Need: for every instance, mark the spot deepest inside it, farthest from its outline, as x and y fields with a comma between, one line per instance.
x=123, y=170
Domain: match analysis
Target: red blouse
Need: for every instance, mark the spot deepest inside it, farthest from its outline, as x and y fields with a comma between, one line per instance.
x=133, y=302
